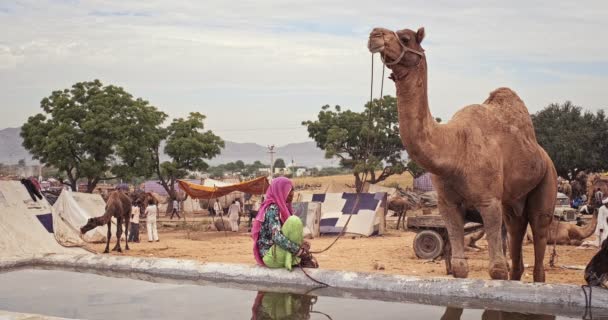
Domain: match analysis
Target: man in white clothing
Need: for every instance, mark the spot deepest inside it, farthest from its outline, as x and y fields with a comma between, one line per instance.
x=602, y=223
x=233, y=214
x=151, y=214
x=218, y=208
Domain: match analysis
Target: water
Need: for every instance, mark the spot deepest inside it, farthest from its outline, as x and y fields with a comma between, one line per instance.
x=90, y=296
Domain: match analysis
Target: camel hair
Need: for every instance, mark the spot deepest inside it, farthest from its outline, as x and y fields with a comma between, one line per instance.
x=119, y=207
x=564, y=233
x=485, y=157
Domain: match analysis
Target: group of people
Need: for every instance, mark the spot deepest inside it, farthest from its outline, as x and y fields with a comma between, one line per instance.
x=150, y=213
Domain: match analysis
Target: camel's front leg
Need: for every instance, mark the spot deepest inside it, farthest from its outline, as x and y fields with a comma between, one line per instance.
x=107, y=250
x=118, y=234
x=454, y=222
x=491, y=213
x=127, y=227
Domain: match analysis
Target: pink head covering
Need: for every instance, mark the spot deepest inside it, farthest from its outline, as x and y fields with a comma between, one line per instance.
x=277, y=193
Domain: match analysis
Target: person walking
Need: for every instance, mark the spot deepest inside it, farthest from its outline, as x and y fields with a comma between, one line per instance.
x=151, y=214
x=175, y=210
x=134, y=232
x=233, y=214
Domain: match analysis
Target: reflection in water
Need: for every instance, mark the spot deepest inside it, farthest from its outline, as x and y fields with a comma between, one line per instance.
x=279, y=306
x=455, y=313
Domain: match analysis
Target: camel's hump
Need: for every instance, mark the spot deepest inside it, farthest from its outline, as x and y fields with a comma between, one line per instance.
x=505, y=98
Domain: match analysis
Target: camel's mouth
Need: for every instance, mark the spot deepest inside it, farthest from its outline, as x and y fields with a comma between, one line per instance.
x=375, y=43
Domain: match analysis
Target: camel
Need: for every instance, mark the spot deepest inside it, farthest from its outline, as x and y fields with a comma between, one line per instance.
x=564, y=233
x=119, y=207
x=486, y=157
x=400, y=205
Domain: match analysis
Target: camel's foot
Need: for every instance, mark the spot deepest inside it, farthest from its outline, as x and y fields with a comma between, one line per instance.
x=117, y=249
x=460, y=268
x=107, y=250
x=516, y=274
x=472, y=249
x=539, y=274
x=499, y=271
x=127, y=248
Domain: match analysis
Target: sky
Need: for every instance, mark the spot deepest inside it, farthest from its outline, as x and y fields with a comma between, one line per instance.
x=257, y=69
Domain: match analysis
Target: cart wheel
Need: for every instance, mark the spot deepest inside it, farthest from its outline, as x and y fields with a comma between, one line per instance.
x=428, y=244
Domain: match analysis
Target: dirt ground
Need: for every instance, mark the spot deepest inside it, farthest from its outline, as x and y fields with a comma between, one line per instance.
x=393, y=251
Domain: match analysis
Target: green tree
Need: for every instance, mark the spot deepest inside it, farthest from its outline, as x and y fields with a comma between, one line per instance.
x=90, y=130
x=188, y=145
x=363, y=141
x=574, y=139
x=279, y=163
x=21, y=163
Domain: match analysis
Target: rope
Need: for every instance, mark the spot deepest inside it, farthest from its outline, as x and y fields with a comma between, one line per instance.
x=357, y=199
x=554, y=255
x=322, y=284
x=588, y=313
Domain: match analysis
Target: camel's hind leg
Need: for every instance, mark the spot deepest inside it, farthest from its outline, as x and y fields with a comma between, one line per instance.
x=118, y=234
x=517, y=225
x=107, y=250
x=539, y=209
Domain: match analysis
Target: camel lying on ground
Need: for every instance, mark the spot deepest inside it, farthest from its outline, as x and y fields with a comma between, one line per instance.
x=564, y=233
x=485, y=157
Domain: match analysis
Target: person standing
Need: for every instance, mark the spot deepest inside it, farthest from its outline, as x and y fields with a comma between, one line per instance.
x=218, y=208
x=151, y=214
x=134, y=233
x=601, y=230
x=233, y=214
x=599, y=197
x=175, y=210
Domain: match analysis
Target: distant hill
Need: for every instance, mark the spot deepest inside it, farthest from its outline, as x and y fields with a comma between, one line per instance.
x=11, y=150
x=303, y=154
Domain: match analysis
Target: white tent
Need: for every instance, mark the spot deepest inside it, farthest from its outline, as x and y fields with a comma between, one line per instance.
x=75, y=208
x=368, y=212
x=27, y=226
x=310, y=214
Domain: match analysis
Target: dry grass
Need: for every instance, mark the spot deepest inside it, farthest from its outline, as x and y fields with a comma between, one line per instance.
x=403, y=180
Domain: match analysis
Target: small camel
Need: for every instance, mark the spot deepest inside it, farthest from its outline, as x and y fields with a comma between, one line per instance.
x=486, y=157
x=119, y=207
x=564, y=233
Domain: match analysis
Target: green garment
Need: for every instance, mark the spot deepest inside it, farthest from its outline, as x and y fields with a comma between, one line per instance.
x=278, y=257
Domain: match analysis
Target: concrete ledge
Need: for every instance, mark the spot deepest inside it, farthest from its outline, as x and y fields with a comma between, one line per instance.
x=472, y=293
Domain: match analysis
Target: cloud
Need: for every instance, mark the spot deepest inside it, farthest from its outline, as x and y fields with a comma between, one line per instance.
x=276, y=62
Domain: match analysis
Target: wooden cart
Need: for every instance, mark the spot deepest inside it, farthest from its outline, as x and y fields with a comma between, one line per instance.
x=431, y=241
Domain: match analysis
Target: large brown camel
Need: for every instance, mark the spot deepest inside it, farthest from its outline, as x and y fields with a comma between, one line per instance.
x=486, y=157
x=119, y=207
x=564, y=233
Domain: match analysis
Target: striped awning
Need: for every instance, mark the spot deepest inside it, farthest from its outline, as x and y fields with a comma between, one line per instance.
x=197, y=191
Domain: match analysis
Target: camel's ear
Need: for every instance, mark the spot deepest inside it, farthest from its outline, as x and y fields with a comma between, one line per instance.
x=420, y=35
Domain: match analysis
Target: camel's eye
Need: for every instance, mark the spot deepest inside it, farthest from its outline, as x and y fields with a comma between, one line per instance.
x=404, y=37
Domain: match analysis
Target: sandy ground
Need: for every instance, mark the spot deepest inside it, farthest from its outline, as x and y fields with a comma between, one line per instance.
x=393, y=250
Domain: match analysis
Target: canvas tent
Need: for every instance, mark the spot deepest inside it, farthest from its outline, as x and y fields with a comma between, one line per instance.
x=368, y=212
x=75, y=208
x=27, y=226
x=310, y=214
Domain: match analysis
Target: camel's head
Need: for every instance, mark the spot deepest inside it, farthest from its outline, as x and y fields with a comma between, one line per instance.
x=89, y=226
x=400, y=50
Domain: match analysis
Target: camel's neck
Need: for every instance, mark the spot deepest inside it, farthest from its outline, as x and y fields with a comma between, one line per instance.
x=419, y=130
x=589, y=229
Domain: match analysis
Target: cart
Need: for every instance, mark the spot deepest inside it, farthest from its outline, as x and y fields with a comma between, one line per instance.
x=431, y=241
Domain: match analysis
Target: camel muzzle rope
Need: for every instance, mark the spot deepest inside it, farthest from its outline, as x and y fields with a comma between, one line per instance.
x=357, y=199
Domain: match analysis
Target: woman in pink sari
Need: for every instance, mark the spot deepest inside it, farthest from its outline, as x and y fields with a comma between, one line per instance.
x=278, y=236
